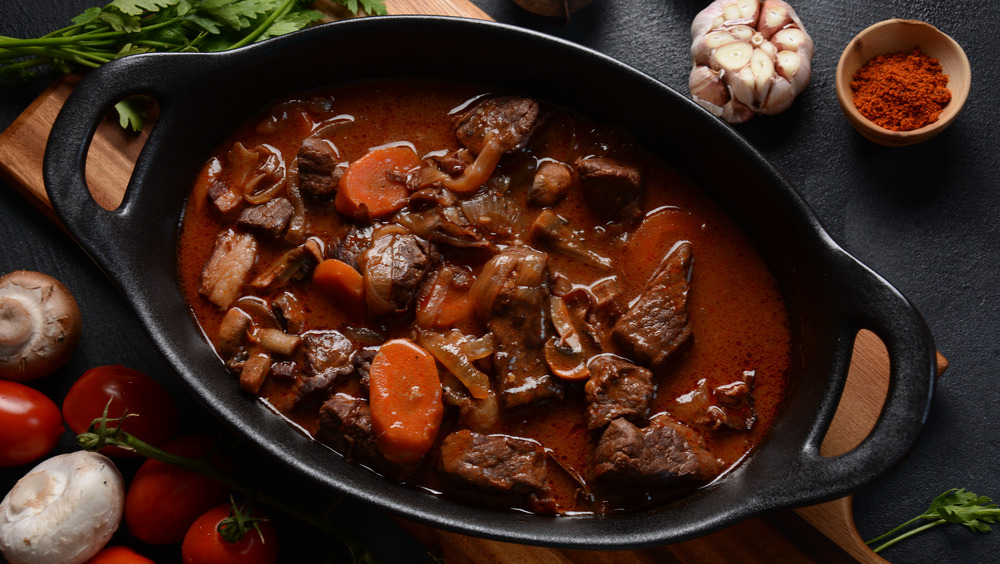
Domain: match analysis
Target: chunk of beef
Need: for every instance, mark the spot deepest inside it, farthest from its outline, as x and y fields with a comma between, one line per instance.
x=345, y=423
x=352, y=245
x=328, y=356
x=611, y=188
x=657, y=323
x=319, y=172
x=729, y=405
x=665, y=452
x=551, y=182
x=394, y=267
x=226, y=270
x=511, y=297
x=617, y=388
x=443, y=225
x=268, y=219
x=498, y=463
x=509, y=119
x=224, y=197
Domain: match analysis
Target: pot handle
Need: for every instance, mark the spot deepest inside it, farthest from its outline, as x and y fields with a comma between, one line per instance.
x=869, y=302
x=70, y=138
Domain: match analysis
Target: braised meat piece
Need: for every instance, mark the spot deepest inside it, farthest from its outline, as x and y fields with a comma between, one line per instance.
x=617, y=388
x=498, y=463
x=730, y=405
x=394, y=267
x=511, y=297
x=319, y=173
x=268, y=219
x=511, y=119
x=225, y=272
x=657, y=323
x=345, y=423
x=224, y=197
x=352, y=245
x=665, y=452
x=328, y=356
x=611, y=188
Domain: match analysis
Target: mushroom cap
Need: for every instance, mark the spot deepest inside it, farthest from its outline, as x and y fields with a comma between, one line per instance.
x=64, y=510
x=40, y=325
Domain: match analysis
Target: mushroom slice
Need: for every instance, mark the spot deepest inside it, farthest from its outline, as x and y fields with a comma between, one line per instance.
x=554, y=231
x=296, y=264
x=64, y=510
x=40, y=325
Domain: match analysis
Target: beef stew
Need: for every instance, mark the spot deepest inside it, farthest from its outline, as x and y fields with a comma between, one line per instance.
x=604, y=337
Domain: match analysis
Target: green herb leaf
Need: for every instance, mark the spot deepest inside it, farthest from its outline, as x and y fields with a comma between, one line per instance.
x=130, y=114
x=137, y=7
x=128, y=27
x=953, y=506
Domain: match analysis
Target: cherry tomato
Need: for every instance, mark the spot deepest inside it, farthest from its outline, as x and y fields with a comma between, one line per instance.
x=204, y=545
x=129, y=390
x=119, y=555
x=163, y=500
x=30, y=424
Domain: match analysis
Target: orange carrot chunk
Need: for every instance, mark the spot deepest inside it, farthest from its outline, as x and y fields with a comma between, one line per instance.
x=346, y=285
x=406, y=401
x=375, y=185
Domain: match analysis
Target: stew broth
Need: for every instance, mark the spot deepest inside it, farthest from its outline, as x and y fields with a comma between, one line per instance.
x=722, y=386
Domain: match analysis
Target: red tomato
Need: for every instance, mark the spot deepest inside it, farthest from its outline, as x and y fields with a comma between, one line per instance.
x=30, y=424
x=204, y=545
x=163, y=500
x=129, y=390
x=119, y=555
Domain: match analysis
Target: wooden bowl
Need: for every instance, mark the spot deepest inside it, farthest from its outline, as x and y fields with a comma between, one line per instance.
x=894, y=36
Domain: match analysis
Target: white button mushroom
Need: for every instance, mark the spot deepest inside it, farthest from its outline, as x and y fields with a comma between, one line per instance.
x=64, y=510
x=39, y=325
x=749, y=57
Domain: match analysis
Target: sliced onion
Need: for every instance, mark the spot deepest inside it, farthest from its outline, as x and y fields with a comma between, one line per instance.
x=428, y=311
x=479, y=348
x=479, y=172
x=451, y=357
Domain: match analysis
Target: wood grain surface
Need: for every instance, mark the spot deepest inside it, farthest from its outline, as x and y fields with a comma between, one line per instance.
x=823, y=533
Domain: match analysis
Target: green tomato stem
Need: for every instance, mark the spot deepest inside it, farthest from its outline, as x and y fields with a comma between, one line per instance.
x=101, y=435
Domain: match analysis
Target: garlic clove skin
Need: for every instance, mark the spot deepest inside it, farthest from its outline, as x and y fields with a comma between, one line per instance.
x=64, y=510
x=757, y=50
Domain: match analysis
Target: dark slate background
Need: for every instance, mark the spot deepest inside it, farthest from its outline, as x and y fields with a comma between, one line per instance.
x=924, y=217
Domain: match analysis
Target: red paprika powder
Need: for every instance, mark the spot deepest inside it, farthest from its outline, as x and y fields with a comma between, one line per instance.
x=901, y=91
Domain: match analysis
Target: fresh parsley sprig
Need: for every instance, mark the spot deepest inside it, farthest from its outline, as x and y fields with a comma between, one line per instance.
x=128, y=27
x=953, y=506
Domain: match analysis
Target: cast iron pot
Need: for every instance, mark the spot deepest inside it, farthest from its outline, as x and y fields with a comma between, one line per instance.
x=203, y=97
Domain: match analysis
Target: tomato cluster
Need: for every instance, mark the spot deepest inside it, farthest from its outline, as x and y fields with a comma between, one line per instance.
x=164, y=504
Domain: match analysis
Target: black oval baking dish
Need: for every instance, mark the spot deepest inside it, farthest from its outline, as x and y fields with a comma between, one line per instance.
x=830, y=295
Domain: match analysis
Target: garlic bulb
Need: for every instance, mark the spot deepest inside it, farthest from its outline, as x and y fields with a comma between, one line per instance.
x=749, y=57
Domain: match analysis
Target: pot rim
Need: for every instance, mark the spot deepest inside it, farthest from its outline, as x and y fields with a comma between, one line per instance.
x=178, y=81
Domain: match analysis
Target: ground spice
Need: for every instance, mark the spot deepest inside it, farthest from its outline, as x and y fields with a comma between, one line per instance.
x=902, y=91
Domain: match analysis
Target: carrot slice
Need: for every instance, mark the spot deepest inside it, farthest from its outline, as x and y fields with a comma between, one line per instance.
x=374, y=185
x=342, y=282
x=406, y=404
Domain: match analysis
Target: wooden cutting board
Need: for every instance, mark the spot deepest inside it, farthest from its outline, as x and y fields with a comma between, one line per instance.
x=823, y=532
